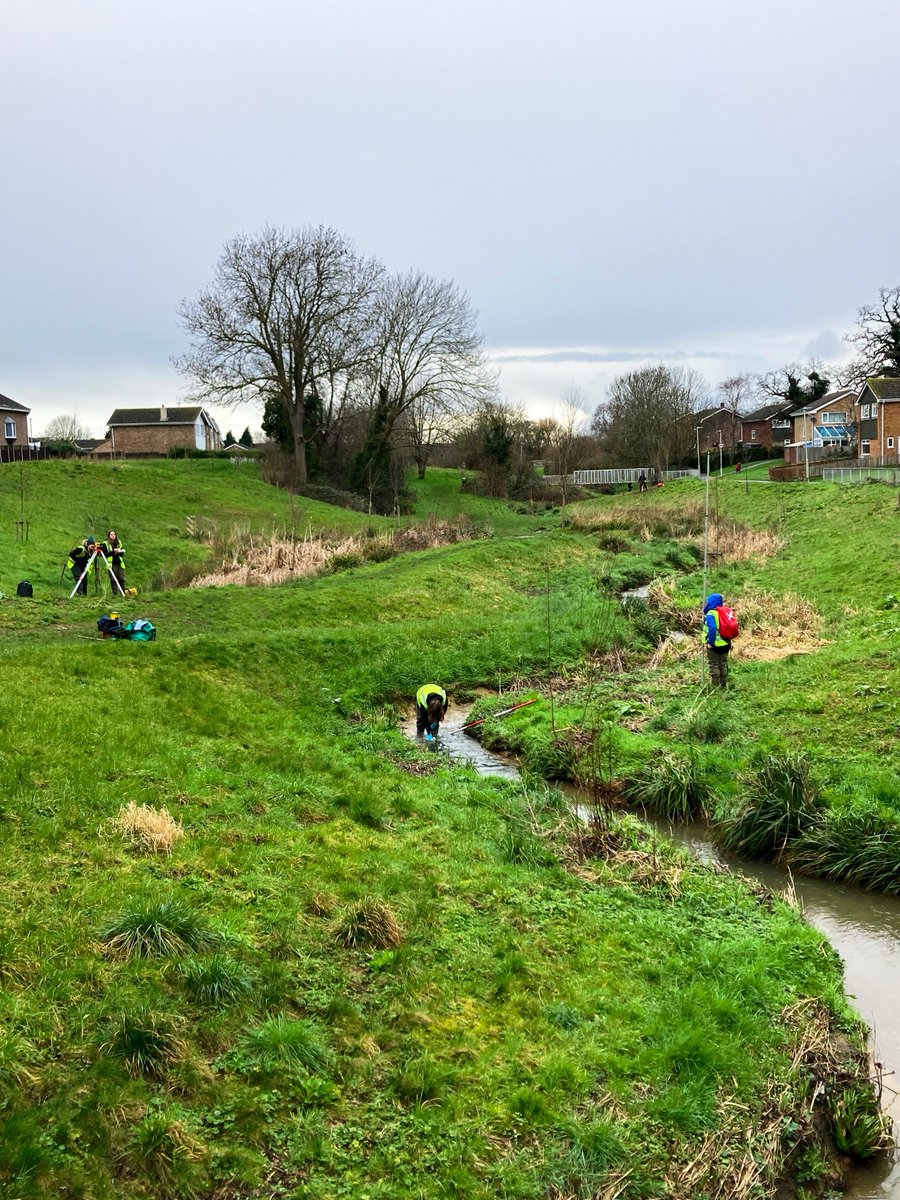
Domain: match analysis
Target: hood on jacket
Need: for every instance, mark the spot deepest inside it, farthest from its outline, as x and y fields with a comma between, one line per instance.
x=712, y=601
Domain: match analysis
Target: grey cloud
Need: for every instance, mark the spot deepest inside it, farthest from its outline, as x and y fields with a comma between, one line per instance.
x=605, y=356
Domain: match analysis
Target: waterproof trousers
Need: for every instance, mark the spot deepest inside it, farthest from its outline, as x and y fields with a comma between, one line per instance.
x=718, y=666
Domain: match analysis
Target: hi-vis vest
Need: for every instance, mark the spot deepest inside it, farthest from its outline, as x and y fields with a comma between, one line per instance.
x=429, y=689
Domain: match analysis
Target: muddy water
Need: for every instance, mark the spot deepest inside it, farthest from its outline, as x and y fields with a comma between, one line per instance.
x=863, y=927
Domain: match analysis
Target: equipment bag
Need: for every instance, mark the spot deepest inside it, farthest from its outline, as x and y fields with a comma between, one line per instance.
x=140, y=631
x=25, y=589
x=728, y=622
x=110, y=626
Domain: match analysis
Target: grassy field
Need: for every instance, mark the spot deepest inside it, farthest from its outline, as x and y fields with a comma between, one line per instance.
x=814, y=684
x=255, y=944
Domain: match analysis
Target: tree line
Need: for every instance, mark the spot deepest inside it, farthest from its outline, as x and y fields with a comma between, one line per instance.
x=359, y=371
x=353, y=366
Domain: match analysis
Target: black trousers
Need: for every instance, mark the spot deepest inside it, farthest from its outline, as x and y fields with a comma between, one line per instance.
x=77, y=572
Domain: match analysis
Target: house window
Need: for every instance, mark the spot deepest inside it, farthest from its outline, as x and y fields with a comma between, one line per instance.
x=752, y=435
x=890, y=443
x=834, y=418
x=9, y=428
x=864, y=450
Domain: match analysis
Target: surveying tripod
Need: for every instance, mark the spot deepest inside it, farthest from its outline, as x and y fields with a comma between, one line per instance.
x=90, y=562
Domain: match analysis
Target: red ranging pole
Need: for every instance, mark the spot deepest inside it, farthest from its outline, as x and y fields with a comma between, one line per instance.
x=503, y=713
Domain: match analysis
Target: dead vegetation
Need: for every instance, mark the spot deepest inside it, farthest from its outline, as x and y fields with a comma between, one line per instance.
x=150, y=830
x=246, y=559
x=750, y=1155
x=772, y=627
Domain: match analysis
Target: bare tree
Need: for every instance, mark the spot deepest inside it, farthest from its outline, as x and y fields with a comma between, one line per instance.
x=65, y=428
x=647, y=418
x=427, y=365
x=876, y=340
x=736, y=392
x=568, y=442
x=795, y=383
x=284, y=321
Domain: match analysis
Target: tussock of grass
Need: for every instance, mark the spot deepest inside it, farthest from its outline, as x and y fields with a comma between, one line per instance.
x=156, y=928
x=371, y=922
x=145, y=1043
x=672, y=785
x=285, y=1044
x=780, y=800
x=151, y=829
x=217, y=981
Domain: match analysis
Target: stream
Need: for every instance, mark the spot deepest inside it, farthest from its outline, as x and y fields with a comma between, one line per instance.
x=864, y=928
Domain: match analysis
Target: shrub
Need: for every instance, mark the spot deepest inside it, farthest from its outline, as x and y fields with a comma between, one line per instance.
x=157, y=928
x=345, y=561
x=144, y=1042
x=379, y=551
x=147, y=828
x=217, y=981
x=613, y=541
x=781, y=798
x=671, y=785
x=371, y=922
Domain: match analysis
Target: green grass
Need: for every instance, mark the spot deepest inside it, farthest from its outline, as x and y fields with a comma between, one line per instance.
x=203, y=1024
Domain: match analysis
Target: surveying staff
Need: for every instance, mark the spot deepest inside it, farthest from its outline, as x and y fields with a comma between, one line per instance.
x=431, y=708
x=717, y=647
x=79, y=557
x=115, y=553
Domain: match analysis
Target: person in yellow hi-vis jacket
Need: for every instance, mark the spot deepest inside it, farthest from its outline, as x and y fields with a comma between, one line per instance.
x=431, y=708
x=79, y=558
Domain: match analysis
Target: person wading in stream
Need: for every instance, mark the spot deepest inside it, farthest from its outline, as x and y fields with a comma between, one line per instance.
x=431, y=708
x=721, y=627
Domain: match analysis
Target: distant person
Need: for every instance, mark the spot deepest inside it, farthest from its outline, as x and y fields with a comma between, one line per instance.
x=79, y=560
x=721, y=628
x=431, y=708
x=115, y=553
x=737, y=468
x=642, y=482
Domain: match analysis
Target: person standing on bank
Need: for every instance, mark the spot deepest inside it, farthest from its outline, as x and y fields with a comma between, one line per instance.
x=721, y=627
x=431, y=708
x=79, y=557
x=115, y=552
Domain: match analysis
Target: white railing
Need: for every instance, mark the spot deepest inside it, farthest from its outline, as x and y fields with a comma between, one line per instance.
x=615, y=475
x=862, y=475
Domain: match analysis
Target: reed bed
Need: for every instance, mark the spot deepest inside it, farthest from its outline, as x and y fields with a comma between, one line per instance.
x=246, y=559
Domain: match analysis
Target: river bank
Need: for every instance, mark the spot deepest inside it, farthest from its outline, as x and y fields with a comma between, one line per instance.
x=867, y=939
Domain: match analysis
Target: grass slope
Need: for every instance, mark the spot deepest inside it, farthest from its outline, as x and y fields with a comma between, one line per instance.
x=361, y=971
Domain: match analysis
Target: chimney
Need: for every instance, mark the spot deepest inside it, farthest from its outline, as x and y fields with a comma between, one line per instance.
x=163, y=415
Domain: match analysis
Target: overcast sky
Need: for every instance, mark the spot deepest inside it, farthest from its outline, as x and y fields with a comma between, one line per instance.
x=714, y=184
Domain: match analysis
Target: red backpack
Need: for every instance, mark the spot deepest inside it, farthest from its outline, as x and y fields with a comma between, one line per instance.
x=728, y=622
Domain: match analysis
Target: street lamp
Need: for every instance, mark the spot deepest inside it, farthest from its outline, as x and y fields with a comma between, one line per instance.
x=697, y=431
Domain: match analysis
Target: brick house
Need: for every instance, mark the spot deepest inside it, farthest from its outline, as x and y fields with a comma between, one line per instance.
x=713, y=426
x=827, y=424
x=13, y=422
x=769, y=427
x=879, y=418
x=159, y=430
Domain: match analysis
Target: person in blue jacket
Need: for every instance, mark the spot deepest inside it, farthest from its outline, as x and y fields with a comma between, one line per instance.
x=717, y=647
